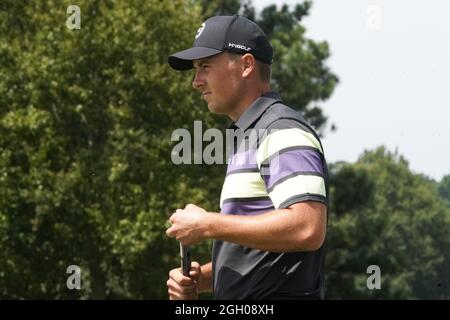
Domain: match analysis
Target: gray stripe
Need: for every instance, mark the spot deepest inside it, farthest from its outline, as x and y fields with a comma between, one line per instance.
x=265, y=163
x=242, y=171
x=300, y=173
x=246, y=199
x=302, y=198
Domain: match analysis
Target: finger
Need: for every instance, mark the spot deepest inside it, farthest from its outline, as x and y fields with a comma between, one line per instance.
x=195, y=265
x=174, y=295
x=189, y=205
x=182, y=290
x=170, y=232
x=178, y=210
x=178, y=296
x=179, y=278
x=195, y=270
x=175, y=274
x=183, y=283
x=194, y=275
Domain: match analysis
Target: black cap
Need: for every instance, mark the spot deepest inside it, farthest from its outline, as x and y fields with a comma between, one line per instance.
x=235, y=34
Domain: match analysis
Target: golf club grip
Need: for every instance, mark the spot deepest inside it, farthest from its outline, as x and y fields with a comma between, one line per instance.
x=185, y=260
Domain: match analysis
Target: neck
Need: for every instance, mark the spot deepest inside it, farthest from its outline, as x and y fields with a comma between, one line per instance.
x=247, y=101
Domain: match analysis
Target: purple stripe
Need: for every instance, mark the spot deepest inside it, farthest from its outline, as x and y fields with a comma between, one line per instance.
x=299, y=160
x=247, y=208
x=242, y=160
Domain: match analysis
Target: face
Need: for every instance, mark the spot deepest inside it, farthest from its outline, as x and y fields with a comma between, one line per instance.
x=218, y=78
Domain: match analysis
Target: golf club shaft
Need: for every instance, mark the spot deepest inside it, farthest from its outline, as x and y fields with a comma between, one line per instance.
x=185, y=254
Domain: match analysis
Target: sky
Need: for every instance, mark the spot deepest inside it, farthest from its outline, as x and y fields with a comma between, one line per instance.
x=393, y=61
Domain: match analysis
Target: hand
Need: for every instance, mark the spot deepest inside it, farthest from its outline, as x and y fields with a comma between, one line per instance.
x=184, y=288
x=189, y=225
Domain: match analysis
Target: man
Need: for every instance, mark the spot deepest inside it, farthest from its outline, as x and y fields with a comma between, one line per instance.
x=269, y=237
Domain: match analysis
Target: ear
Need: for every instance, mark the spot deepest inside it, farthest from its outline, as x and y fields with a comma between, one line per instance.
x=248, y=65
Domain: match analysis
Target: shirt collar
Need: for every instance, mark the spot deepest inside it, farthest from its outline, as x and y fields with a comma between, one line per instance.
x=255, y=110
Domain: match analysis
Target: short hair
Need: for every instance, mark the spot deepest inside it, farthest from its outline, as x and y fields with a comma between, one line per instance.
x=264, y=69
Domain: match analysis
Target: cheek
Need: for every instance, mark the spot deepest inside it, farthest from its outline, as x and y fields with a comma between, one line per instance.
x=234, y=84
x=235, y=77
x=227, y=87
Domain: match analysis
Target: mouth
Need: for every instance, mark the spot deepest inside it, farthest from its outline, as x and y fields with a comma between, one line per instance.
x=206, y=93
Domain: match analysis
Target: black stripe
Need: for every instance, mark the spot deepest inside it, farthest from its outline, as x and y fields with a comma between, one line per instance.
x=266, y=162
x=298, y=173
x=305, y=126
x=302, y=198
x=246, y=199
x=242, y=171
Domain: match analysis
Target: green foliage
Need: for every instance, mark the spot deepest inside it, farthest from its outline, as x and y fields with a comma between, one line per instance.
x=211, y=8
x=444, y=189
x=343, y=179
x=397, y=221
x=86, y=117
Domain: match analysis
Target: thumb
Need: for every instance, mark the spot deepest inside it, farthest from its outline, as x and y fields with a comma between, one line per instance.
x=195, y=271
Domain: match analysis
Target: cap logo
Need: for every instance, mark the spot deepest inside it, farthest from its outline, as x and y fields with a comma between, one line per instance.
x=239, y=46
x=200, y=30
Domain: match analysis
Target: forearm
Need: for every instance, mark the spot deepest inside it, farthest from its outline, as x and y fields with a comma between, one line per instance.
x=277, y=231
x=205, y=283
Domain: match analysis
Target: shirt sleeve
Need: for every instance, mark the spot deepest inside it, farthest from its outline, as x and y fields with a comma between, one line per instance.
x=291, y=163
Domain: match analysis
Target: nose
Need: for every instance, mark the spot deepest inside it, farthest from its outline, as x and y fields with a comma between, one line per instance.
x=198, y=81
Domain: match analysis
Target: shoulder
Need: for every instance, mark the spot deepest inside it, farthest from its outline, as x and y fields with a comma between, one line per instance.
x=280, y=116
x=285, y=129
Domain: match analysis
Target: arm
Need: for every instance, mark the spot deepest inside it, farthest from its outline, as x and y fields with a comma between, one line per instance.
x=301, y=227
x=205, y=281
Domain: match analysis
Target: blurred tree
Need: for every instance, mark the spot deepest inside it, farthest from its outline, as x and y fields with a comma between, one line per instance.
x=85, y=123
x=343, y=179
x=397, y=221
x=444, y=189
x=211, y=8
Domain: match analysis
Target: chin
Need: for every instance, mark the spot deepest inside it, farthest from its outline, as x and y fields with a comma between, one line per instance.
x=214, y=109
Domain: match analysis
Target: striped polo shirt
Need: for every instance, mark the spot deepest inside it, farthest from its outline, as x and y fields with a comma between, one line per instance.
x=276, y=160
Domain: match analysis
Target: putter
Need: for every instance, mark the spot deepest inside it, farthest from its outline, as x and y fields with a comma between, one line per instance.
x=185, y=255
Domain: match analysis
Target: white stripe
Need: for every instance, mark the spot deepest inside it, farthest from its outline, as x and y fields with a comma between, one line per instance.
x=301, y=184
x=285, y=138
x=243, y=185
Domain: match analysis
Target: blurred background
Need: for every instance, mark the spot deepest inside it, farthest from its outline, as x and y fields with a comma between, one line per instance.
x=87, y=113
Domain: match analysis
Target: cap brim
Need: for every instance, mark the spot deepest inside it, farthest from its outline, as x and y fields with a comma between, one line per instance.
x=183, y=60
